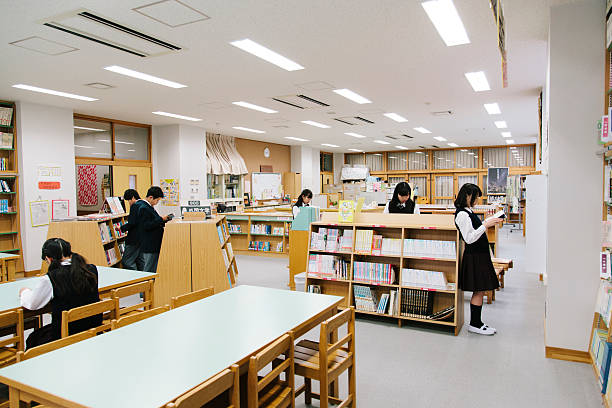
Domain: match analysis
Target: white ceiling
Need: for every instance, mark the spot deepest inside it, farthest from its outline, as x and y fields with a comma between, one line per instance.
x=385, y=50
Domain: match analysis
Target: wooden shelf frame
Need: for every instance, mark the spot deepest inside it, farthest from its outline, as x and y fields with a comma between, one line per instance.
x=247, y=219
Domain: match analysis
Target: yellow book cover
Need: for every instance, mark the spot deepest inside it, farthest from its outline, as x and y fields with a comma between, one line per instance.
x=346, y=210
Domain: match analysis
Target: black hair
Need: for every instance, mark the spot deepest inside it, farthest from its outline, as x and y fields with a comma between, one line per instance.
x=131, y=193
x=81, y=278
x=468, y=189
x=300, y=201
x=155, y=192
x=402, y=189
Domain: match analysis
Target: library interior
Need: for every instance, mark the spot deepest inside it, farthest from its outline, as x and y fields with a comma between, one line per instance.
x=208, y=203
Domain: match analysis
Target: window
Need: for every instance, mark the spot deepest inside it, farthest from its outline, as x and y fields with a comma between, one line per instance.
x=396, y=161
x=461, y=180
x=327, y=162
x=444, y=188
x=484, y=185
x=92, y=139
x=417, y=160
x=419, y=184
x=93, y=184
x=467, y=158
x=494, y=157
x=355, y=158
x=521, y=156
x=131, y=142
x=443, y=159
x=374, y=161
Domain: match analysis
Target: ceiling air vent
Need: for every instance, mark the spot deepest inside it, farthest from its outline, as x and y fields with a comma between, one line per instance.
x=300, y=101
x=101, y=30
x=443, y=113
x=435, y=147
x=422, y=147
x=407, y=136
x=391, y=137
x=363, y=119
x=347, y=121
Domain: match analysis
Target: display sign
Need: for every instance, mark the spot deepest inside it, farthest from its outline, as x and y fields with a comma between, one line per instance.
x=193, y=202
x=205, y=209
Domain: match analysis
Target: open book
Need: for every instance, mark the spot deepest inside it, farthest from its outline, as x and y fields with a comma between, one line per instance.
x=499, y=214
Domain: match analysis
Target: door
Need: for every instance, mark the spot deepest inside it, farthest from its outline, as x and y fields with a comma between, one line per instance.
x=136, y=177
x=326, y=179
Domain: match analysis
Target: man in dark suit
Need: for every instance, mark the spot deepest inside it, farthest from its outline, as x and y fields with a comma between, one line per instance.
x=132, y=257
x=152, y=230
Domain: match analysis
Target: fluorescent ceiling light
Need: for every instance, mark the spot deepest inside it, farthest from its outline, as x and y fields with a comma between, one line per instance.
x=354, y=135
x=492, y=108
x=453, y=144
x=356, y=150
x=131, y=150
x=445, y=18
x=501, y=124
x=465, y=150
x=478, y=80
x=348, y=94
x=116, y=141
x=419, y=153
x=254, y=107
x=88, y=128
x=396, y=117
x=317, y=124
x=329, y=145
x=440, y=138
x=421, y=130
x=84, y=147
x=145, y=77
x=298, y=139
x=266, y=54
x=513, y=148
x=401, y=147
x=471, y=154
x=381, y=142
x=248, y=129
x=52, y=92
x=392, y=157
x=510, y=141
x=506, y=134
x=377, y=154
x=174, y=115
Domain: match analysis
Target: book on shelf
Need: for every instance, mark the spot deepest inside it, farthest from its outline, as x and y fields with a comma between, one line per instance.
x=105, y=233
x=279, y=247
x=220, y=233
x=4, y=206
x=6, y=140
x=328, y=266
x=430, y=248
x=426, y=279
x=117, y=227
x=417, y=303
x=442, y=314
x=365, y=299
x=230, y=250
x=224, y=228
x=115, y=205
x=225, y=259
x=363, y=241
x=373, y=272
x=278, y=231
x=346, y=241
x=377, y=241
x=111, y=256
x=382, y=304
x=330, y=240
x=259, y=246
x=601, y=353
x=604, y=264
x=606, y=234
x=6, y=116
x=603, y=306
x=4, y=164
x=261, y=229
x=5, y=187
x=391, y=247
x=314, y=289
x=393, y=302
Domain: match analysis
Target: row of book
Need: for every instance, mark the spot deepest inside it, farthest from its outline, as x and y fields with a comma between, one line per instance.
x=227, y=256
x=430, y=248
x=234, y=228
x=4, y=206
x=417, y=303
x=266, y=229
x=422, y=278
x=601, y=353
x=329, y=239
x=4, y=164
x=111, y=256
x=117, y=227
x=265, y=246
x=6, y=116
x=6, y=140
x=313, y=289
x=222, y=232
x=366, y=300
x=4, y=187
x=328, y=266
x=603, y=306
x=105, y=232
x=373, y=272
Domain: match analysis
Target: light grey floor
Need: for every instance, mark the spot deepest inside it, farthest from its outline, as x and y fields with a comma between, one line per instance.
x=416, y=367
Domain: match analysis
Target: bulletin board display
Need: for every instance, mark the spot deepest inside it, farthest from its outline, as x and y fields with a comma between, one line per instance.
x=266, y=186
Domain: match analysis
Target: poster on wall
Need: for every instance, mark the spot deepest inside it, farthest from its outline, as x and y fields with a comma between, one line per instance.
x=39, y=213
x=170, y=187
x=194, y=188
x=60, y=209
x=49, y=177
x=87, y=189
x=497, y=180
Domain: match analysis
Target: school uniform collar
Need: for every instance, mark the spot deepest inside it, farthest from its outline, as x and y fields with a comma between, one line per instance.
x=67, y=262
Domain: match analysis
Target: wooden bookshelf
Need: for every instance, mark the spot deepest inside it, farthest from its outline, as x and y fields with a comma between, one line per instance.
x=248, y=221
x=427, y=227
x=10, y=235
x=86, y=239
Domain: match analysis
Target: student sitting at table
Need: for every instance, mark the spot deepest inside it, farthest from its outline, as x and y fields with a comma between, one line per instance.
x=70, y=282
x=401, y=203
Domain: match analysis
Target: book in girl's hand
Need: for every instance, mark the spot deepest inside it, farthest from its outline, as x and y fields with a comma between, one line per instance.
x=500, y=214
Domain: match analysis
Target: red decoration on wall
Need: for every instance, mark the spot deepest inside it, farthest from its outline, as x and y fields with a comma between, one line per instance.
x=48, y=185
x=87, y=189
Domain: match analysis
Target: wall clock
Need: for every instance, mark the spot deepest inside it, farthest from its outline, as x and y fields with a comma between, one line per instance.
x=266, y=152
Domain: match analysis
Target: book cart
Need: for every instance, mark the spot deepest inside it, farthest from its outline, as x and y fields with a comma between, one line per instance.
x=265, y=234
x=414, y=302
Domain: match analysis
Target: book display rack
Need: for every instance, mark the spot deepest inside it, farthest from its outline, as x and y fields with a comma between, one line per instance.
x=265, y=234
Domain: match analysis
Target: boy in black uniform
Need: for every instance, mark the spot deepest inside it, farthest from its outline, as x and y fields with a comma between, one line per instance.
x=152, y=229
x=132, y=257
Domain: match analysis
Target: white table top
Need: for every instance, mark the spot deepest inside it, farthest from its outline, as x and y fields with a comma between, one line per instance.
x=108, y=278
x=8, y=255
x=150, y=363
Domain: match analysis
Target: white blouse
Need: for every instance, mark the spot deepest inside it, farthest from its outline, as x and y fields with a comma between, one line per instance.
x=40, y=295
x=470, y=235
x=416, y=208
x=296, y=209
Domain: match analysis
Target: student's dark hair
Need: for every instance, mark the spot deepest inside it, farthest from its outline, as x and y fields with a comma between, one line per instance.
x=81, y=278
x=300, y=201
x=468, y=189
x=402, y=189
x=155, y=192
x=131, y=193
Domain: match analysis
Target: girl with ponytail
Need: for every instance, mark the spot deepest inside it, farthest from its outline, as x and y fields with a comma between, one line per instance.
x=70, y=282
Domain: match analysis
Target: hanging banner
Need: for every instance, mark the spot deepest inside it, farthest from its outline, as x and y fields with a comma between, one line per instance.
x=498, y=14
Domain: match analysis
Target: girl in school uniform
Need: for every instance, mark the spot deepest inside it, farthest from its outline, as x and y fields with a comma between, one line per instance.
x=70, y=282
x=476, y=273
x=401, y=203
x=302, y=201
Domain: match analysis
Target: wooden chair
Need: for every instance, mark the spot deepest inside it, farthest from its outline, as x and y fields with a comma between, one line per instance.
x=146, y=304
x=228, y=379
x=325, y=362
x=133, y=318
x=271, y=391
x=105, y=306
x=9, y=347
x=505, y=265
x=54, y=345
x=182, y=300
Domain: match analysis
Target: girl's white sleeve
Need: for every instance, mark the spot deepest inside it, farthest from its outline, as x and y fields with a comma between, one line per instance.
x=39, y=296
x=470, y=235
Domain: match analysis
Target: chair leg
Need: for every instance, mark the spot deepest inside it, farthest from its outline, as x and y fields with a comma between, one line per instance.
x=352, y=385
x=324, y=400
x=308, y=392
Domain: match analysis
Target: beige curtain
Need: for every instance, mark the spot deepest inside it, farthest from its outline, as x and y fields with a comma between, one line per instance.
x=222, y=156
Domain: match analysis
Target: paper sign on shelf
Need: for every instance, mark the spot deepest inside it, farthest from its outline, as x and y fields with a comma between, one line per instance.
x=605, y=134
x=346, y=210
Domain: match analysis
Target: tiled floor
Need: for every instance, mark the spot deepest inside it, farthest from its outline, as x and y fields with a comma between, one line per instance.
x=419, y=367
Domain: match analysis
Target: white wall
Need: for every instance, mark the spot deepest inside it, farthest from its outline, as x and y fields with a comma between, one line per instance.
x=575, y=172
x=45, y=137
x=306, y=160
x=338, y=163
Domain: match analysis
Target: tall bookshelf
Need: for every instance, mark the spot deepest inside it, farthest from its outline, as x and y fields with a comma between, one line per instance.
x=248, y=228
x=10, y=236
x=415, y=227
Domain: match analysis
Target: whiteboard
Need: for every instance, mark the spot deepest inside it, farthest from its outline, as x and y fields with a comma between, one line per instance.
x=267, y=186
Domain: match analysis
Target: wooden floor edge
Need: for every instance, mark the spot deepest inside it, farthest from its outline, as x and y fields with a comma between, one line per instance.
x=568, y=355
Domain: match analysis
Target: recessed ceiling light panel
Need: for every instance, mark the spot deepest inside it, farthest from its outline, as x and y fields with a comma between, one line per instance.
x=145, y=77
x=357, y=135
x=254, y=107
x=396, y=117
x=421, y=130
x=174, y=115
x=478, y=81
x=52, y=92
x=266, y=54
x=501, y=124
x=316, y=124
x=297, y=139
x=445, y=18
x=381, y=142
x=492, y=108
x=440, y=138
x=348, y=94
x=246, y=129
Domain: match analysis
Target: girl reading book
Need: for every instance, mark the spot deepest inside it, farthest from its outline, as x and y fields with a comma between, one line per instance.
x=302, y=201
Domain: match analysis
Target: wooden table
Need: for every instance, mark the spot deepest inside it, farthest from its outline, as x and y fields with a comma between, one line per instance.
x=7, y=270
x=108, y=279
x=154, y=361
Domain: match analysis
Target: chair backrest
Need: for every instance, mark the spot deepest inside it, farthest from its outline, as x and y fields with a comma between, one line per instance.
x=146, y=304
x=227, y=379
x=124, y=321
x=329, y=345
x=282, y=346
x=92, y=309
x=182, y=300
x=54, y=345
x=13, y=318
